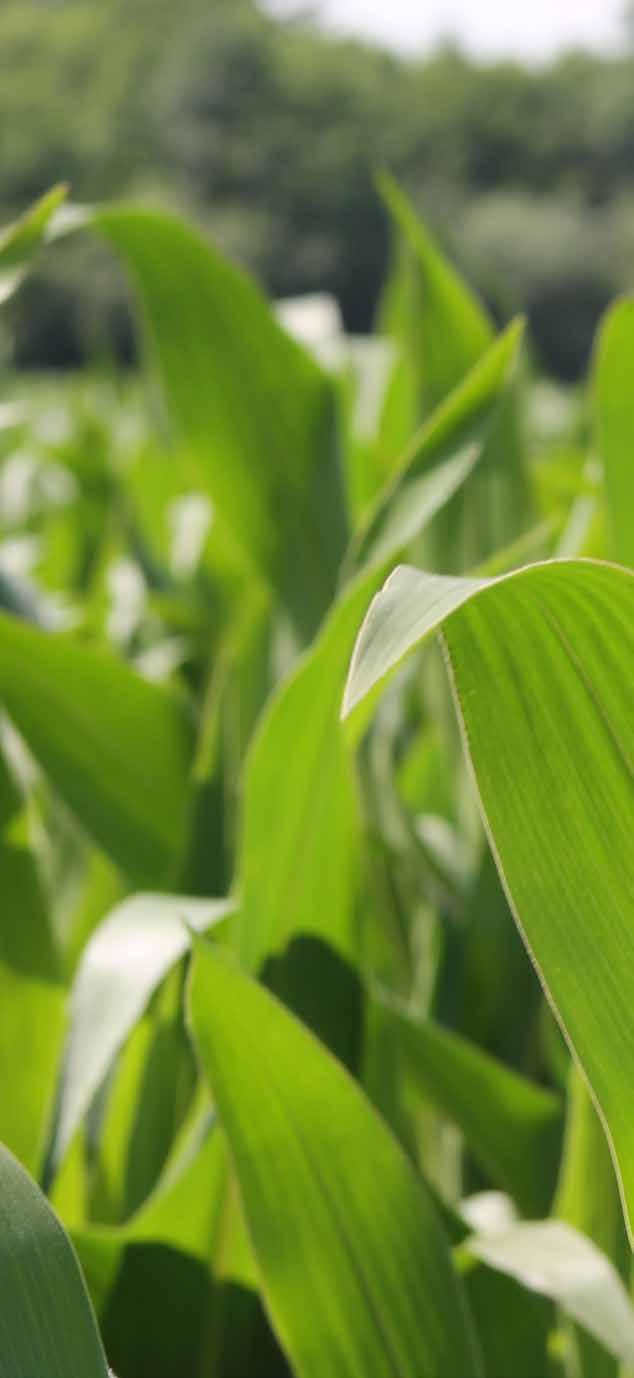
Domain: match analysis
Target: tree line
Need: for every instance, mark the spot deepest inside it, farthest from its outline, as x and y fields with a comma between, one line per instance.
x=271, y=134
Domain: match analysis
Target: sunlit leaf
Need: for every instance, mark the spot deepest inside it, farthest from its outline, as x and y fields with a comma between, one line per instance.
x=614, y=402
x=123, y=964
x=541, y=663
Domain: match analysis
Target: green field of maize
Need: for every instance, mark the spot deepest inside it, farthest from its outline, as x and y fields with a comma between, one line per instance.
x=316, y=834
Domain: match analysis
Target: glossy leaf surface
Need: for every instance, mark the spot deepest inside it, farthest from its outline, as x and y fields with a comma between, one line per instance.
x=542, y=664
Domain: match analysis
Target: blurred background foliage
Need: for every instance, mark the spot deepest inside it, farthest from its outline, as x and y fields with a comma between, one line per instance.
x=270, y=133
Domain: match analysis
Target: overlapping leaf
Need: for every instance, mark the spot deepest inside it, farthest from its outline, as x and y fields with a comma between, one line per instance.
x=335, y=1211
x=440, y=325
x=46, y=1321
x=559, y=1262
x=511, y=1126
x=542, y=663
x=299, y=824
x=123, y=964
x=116, y=747
x=270, y=465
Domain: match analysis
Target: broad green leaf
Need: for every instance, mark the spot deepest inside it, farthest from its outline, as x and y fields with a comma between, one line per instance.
x=20, y=242
x=251, y=409
x=440, y=325
x=512, y=1127
x=125, y=961
x=300, y=824
x=46, y=1322
x=614, y=402
x=541, y=663
x=298, y=871
x=117, y=748
x=557, y=1261
x=335, y=1211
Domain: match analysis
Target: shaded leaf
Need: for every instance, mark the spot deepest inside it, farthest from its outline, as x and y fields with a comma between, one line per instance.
x=297, y=871
x=513, y=1324
x=46, y=1321
x=553, y=1259
x=512, y=1127
x=335, y=1211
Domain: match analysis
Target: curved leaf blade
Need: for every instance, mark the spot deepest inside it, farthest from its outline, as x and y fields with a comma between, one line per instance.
x=272, y=462
x=429, y=307
x=125, y=961
x=461, y=426
x=299, y=829
x=336, y=1213
x=555, y=1260
x=117, y=747
x=542, y=663
x=46, y=1320
x=20, y=241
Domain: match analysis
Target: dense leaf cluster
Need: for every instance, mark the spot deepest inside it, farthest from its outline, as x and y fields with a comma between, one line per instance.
x=287, y=946
x=271, y=135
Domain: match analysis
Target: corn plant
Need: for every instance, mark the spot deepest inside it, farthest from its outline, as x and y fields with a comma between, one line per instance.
x=316, y=1021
